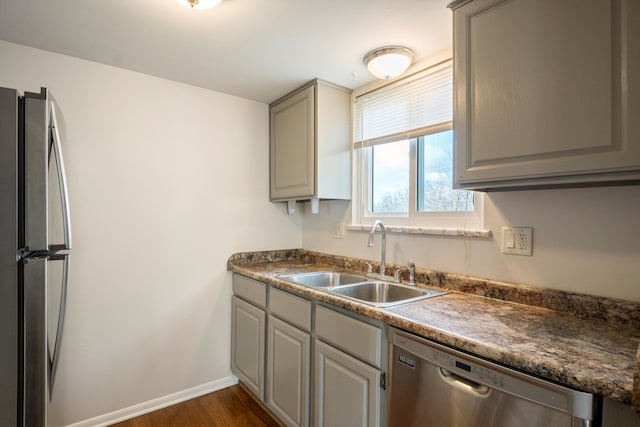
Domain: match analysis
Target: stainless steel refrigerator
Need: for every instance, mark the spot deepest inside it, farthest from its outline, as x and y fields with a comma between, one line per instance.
x=35, y=239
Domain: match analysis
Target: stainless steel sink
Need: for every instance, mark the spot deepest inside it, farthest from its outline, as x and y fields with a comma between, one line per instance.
x=326, y=279
x=361, y=288
x=385, y=294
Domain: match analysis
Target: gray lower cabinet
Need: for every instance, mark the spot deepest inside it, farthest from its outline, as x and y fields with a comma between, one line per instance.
x=309, y=363
x=248, y=345
x=347, y=391
x=348, y=366
x=288, y=361
x=617, y=414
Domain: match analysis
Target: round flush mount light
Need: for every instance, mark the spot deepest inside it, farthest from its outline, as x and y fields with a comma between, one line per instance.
x=388, y=62
x=200, y=4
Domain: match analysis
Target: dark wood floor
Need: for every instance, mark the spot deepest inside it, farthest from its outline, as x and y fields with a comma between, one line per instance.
x=231, y=406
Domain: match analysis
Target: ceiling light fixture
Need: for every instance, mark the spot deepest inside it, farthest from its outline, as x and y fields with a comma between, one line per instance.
x=200, y=4
x=388, y=62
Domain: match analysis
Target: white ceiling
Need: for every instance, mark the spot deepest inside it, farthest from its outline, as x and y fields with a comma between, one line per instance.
x=257, y=49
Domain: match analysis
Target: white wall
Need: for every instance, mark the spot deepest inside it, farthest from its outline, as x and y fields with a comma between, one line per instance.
x=166, y=181
x=585, y=240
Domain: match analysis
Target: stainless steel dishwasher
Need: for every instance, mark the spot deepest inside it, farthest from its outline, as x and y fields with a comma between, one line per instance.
x=436, y=386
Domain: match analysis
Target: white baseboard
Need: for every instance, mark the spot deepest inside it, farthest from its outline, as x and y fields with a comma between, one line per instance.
x=155, y=404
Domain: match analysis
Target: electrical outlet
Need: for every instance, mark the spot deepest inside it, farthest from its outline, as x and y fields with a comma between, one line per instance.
x=517, y=241
x=338, y=230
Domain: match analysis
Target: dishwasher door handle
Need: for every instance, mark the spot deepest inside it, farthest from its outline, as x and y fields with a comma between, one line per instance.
x=464, y=383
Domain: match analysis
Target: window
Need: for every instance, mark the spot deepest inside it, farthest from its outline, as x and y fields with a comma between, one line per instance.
x=403, y=149
x=390, y=177
x=435, y=176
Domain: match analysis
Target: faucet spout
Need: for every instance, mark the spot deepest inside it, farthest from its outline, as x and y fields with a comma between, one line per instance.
x=376, y=224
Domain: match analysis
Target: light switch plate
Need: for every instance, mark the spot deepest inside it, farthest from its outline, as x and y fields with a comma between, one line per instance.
x=338, y=230
x=517, y=241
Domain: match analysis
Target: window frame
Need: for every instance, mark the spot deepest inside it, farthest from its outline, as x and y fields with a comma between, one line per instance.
x=362, y=180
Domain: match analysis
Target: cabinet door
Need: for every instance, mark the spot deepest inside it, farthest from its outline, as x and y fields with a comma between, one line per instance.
x=247, y=345
x=547, y=92
x=288, y=360
x=347, y=391
x=292, y=143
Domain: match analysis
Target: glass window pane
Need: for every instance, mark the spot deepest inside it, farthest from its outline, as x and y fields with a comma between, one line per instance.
x=435, y=176
x=390, y=177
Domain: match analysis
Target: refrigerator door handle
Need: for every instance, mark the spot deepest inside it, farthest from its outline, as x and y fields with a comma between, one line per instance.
x=62, y=178
x=55, y=352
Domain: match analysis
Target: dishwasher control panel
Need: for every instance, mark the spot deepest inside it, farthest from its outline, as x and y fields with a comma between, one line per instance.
x=467, y=369
x=481, y=375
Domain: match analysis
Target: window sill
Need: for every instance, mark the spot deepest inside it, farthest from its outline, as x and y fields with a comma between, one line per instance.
x=455, y=232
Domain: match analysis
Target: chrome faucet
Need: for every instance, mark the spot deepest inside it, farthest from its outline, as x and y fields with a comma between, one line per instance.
x=384, y=242
x=412, y=274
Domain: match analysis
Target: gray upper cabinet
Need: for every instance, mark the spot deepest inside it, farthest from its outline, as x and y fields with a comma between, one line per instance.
x=310, y=154
x=547, y=92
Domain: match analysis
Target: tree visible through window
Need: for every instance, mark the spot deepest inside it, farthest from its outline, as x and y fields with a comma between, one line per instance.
x=390, y=177
x=390, y=169
x=435, y=176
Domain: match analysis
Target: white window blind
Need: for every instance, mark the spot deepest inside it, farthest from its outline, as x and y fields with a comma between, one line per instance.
x=417, y=105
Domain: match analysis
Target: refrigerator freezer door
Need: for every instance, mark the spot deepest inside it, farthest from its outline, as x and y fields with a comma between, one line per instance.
x=47, y=224
x=35, y=341
x=36, y=147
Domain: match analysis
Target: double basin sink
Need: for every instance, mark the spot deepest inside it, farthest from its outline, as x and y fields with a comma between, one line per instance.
x=363, y=289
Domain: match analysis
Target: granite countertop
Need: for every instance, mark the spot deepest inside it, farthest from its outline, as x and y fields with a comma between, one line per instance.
x=593, y=355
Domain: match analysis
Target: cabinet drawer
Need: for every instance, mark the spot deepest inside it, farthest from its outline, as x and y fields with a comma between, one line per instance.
x=291, y=308
x=250, y=290
x=360, y=339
